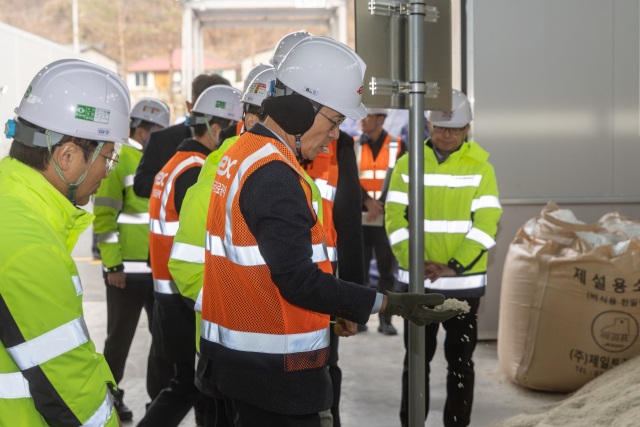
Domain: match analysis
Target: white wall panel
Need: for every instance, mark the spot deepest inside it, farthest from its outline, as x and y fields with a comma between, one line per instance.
x=556, y=88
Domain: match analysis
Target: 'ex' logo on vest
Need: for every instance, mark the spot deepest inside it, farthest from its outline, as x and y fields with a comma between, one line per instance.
x=225, y=166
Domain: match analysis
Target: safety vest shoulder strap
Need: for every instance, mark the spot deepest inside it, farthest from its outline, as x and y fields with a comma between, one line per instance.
x=394, y=149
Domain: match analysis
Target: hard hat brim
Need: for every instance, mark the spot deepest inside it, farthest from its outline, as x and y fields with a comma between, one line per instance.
x=354, y=114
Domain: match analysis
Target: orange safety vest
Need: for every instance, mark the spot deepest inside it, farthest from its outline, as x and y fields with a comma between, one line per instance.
x=373, y=171
x=324, y=171
x=239, y=126
x=245, y=319
x=163, y=224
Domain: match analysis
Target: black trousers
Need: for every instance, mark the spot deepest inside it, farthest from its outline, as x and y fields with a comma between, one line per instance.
x=174, y=402
x=336, y=376
x=375, y=238
x=159, y=374
x=242, y=414
x=459, y=344
x=123, y=312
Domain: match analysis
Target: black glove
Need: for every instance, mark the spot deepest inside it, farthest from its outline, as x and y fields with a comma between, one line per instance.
x=413, y=307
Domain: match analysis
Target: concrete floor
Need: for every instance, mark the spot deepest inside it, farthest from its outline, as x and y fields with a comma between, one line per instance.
x=371, y=365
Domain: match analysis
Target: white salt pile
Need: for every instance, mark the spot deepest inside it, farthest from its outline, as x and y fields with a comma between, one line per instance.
x=454, y=304
x=611, y=400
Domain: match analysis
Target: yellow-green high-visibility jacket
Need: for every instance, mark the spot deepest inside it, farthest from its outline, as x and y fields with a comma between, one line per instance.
x=186, y=263
x=122, y=219
x=50, y=372
x=461, y=214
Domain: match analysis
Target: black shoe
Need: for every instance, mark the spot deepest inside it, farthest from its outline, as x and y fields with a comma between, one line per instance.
x=386, y=327
x=124, y=412
x=362, y=328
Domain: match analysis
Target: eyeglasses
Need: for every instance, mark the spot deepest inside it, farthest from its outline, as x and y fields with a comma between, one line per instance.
x=111, y=161
x=452, y=131
x=334, y=124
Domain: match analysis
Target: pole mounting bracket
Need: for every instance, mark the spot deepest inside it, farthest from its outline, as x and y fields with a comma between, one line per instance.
x=386, y=87
x=403, y=9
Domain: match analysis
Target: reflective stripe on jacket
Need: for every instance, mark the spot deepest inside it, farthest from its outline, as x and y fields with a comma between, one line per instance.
x=122, y=218
x=373, y=171
x=461, y=214
x=164, y=222
x=50, y=372
x=324, y=172
x=245, y=320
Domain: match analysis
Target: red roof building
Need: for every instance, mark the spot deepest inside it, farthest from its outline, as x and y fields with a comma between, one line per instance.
x=162, y=64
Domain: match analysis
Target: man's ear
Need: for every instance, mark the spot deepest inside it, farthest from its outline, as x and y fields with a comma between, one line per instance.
x=66, y=154
x=189, y=106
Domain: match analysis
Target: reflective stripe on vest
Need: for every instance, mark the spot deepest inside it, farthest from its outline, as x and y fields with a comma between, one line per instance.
x=324, y=171
x=485, y=202
x=187, y=253
x=133, y=218
x=250, y=255
x=450, y=227
x=77, y=284
x=473, y=233
x=245, y=320
x=108, y=202
x=326, y=191
x=109, y=237
x=373, y=171
x=169, y=187
x=265, y=343
x=127, y=180
x=455, y=283
x=14, y=386
x=157, y=226
x=102, y=414
x=164, y=222
x=166, y=287
x=239, y=128
x=49, y=345
x=451, y=181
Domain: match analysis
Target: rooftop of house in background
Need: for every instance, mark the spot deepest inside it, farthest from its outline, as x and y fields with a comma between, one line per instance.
x=162, y=64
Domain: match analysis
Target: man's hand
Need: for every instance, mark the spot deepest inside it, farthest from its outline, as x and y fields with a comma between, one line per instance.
x=345, y=328
x=414, y=307
x=374, y=209
x=435, y=270
x=117, y=279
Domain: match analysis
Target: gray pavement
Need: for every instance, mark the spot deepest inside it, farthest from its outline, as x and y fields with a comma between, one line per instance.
x=371, y=366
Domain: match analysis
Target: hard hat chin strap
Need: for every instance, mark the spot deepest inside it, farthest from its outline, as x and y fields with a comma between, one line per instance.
x=206, y=121
x=298, y=150
x=72, y=188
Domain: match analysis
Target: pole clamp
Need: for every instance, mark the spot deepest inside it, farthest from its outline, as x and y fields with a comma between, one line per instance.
x=397, y=8
x=386, y=87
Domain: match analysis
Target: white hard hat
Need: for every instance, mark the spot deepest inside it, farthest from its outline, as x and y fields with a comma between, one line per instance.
x=220, y=101
x=152, y=110
x=459, y=116
x=254, y=72
x=378, y=111
x=285, y=45
x=328, y=72
x=259, y=88
x=80, y=99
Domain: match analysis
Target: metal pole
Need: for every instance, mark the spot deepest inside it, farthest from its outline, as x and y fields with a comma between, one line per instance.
x=416, y=207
